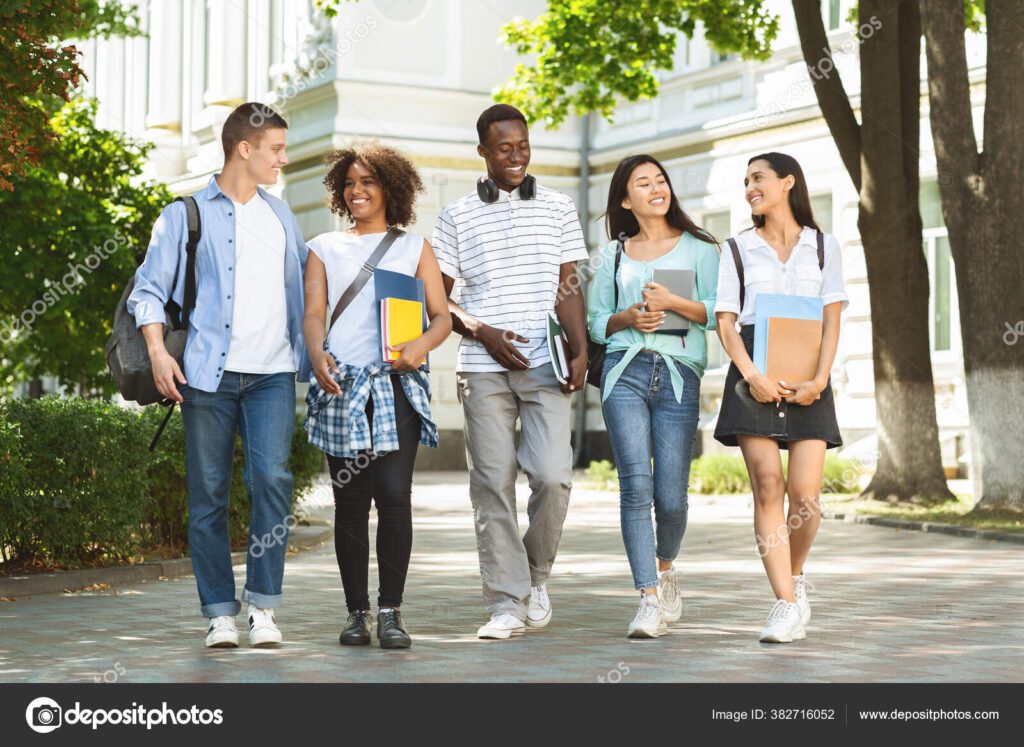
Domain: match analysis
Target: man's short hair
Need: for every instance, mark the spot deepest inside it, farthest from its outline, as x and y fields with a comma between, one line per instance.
x=496, y=113
x=248, y=122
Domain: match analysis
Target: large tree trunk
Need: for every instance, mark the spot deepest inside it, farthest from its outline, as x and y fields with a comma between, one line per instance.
x=881, y=155
x=981, y=202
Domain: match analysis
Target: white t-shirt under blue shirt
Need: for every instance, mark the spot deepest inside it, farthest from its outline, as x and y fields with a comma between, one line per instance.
x=355, y=337
x=259, y=319
x=508, y=254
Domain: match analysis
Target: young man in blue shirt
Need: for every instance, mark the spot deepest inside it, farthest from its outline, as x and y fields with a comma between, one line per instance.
x=244, y=349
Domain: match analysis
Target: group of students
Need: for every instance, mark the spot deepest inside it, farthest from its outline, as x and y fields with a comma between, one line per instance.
x=272, y=308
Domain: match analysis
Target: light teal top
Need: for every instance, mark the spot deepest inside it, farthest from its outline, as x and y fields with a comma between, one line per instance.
x=689, y=254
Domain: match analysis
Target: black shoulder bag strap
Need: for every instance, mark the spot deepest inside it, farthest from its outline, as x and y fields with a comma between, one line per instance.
x=739, y=270
x=615, y=273
x=364, y=275
x=821, y=251
x=195, y=232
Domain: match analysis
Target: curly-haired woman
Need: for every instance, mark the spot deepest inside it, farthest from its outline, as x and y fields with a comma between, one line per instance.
x=369, y=418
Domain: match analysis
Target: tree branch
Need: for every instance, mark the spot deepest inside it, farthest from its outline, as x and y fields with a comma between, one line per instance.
x=949, y=91
x=832, y=98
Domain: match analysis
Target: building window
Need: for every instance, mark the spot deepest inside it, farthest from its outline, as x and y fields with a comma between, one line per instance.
x=717, y=58
x=834, y=17
x=821, y=206
x=943, y=309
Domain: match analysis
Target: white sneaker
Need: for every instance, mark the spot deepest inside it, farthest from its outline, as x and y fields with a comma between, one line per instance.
x=222, y=633
x=649, y=621
x=783, y=625
x=668, y=594
x=501, y=627
x=539, y=612
x=263, y=631
x=800, y=592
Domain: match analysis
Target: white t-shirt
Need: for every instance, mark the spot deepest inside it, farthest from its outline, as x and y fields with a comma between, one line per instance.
x=508, y=253
x=355, y=337
x=764, y=273
x=259, y=318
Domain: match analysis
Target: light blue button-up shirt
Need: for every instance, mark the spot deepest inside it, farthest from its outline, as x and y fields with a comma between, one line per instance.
x=210, y=321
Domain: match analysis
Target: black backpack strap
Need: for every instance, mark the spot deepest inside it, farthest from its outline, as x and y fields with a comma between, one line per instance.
x=195, y=232
x=821, y=251
x=365, y=272
x=739, y=270
x=163, y=424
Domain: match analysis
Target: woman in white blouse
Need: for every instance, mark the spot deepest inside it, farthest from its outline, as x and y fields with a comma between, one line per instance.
x=785, y=253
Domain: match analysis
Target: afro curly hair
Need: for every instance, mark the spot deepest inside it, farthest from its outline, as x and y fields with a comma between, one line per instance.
x=397, y=176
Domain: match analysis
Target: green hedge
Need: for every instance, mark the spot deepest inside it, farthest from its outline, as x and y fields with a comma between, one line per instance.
x=79, y=485
x=719, y=474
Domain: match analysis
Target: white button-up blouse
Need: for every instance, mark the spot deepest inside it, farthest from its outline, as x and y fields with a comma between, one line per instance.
x=765, y=273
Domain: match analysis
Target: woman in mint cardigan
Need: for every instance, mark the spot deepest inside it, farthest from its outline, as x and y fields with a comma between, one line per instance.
x=650, y=384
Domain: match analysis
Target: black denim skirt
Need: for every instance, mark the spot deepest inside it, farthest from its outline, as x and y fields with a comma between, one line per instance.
x=742, y=415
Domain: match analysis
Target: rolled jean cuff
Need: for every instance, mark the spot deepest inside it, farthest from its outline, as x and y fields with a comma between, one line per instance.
x=263, y=601
x=652, y=585
x=221, y=609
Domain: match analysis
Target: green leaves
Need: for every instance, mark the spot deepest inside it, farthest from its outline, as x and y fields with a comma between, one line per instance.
x=72, y=228
x=590, y=54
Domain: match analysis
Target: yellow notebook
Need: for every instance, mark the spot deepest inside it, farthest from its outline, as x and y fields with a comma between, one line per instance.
x=400, y=321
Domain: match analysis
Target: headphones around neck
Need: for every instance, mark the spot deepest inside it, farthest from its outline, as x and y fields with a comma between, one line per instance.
x=488, y=190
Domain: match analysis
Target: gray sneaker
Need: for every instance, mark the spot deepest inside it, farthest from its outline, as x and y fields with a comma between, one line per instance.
x=668, y=593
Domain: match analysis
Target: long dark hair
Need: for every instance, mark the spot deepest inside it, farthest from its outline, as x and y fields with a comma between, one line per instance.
x=799, y=196
x=620, y=223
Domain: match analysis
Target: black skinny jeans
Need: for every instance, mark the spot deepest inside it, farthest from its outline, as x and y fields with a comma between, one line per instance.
x=387, y=481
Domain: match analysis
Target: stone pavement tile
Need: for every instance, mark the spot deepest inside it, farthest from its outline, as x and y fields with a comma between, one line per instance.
x=888, y=606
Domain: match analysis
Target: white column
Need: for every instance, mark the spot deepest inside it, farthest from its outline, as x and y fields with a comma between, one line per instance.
x=226, y=42
x=165, y=68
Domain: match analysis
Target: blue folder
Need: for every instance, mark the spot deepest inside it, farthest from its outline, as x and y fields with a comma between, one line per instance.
x=770, y=305
x=388, y=284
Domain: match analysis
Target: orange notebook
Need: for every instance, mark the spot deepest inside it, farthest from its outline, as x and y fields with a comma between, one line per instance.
x=794, y=346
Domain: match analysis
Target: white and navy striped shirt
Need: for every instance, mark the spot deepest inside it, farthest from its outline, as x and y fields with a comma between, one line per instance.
x=508, y=254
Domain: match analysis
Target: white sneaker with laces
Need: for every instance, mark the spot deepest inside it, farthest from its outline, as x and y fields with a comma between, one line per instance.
x=501, y=626
x=222, y=633
x=538, y=614
x=263, y=631
x=649, y=621
x=783, y=624
x=668, y=593
x=802, y=601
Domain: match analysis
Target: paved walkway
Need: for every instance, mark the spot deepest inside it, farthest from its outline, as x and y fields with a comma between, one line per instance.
x=888, y=606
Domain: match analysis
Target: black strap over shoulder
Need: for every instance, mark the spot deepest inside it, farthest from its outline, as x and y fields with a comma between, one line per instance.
x=739, y=262
x=364, y=274
x=619, y=248
x=195, y=232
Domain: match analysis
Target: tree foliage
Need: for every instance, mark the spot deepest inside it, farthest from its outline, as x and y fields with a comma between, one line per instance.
x=38, y=71
x=589, y=54
x=73, y=227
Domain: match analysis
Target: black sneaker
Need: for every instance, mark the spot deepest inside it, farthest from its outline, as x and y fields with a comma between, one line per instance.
x=391, y=631
x=357, y=629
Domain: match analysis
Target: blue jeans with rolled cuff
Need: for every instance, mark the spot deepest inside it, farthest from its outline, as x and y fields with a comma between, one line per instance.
x=645, y=421
x=262, y=407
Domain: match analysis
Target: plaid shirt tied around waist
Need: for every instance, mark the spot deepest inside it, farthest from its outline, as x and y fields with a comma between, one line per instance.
x=337, y=423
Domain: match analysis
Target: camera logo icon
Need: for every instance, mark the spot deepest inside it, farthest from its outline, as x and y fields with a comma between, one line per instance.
x=44, y=715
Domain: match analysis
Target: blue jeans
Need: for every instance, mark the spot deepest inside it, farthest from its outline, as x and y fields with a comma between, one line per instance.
x=644, y=421
x=262, y=406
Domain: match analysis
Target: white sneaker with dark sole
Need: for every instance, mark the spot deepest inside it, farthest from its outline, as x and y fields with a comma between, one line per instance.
x=538, y=615
x=263, y=631
x=783, y=624
x=649, y=621
x=222, y=633
x=668, y=594
x=500, y=627
x=802, y=601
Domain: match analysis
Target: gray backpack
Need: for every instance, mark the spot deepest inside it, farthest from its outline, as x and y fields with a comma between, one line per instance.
x=126, y=352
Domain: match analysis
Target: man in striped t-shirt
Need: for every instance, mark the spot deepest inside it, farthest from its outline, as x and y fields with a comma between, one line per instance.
x=515, y=246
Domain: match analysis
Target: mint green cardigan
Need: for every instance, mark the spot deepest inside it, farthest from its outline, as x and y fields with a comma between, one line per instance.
x=689, y=254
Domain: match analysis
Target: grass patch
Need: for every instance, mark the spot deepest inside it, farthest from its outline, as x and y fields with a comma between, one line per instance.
x=956, y=512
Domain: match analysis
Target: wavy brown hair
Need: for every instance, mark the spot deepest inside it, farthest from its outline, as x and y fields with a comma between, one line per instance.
x=398, y=179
